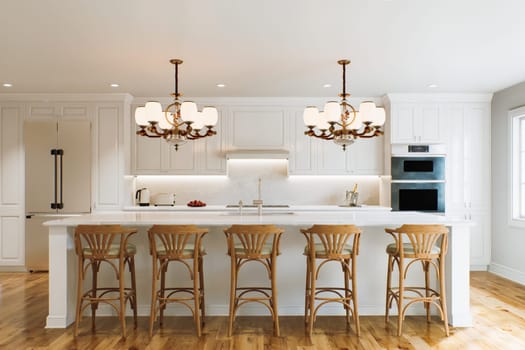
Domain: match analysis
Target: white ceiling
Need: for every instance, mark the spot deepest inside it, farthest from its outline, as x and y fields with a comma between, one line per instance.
x=261, y=48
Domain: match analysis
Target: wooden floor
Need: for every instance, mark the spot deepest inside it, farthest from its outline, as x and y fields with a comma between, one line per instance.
x=498, y=307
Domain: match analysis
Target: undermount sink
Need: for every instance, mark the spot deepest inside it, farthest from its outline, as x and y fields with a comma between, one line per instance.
x=254, y=206
x=254, y=213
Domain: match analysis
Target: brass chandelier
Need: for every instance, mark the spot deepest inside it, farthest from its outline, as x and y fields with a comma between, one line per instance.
x=179, y=122
x=341, y=122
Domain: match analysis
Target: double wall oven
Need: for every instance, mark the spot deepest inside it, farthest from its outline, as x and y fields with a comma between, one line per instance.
x=418, y=178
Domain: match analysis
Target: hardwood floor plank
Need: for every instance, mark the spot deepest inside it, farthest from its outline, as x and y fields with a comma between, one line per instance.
x=498, y=308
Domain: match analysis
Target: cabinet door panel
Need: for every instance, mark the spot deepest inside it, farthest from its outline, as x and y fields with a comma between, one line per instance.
x=366, y=156
x=455, y=160
x=332, y=158
x=302, y=155
x=10, y=153
x=403, y=123
x=428, y=124
x=260, y=128
x=182, y=159
x=147, y=153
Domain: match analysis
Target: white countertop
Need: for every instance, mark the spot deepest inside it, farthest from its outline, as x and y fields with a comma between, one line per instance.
x=224, y=218
x=293, y=208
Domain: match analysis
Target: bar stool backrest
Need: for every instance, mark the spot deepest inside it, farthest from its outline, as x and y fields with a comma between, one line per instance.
x=101, y=241
x=334, y=239
x=423, y=240
x=176, y=241
x=253, y=239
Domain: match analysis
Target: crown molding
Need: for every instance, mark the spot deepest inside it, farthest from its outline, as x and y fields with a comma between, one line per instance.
x=439, y=97
x=64, y=97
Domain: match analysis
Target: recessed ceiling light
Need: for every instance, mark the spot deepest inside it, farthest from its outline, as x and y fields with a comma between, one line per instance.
x=221, y=85
x=327, y=85
x=7, y=85
x=114, y=85
x=432, y=86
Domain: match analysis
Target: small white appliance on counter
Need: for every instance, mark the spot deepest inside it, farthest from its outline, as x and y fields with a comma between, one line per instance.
x=142, y=197
x=57, y=180
x=164, y=199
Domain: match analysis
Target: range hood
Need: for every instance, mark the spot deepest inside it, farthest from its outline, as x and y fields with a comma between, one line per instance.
x=258, y=154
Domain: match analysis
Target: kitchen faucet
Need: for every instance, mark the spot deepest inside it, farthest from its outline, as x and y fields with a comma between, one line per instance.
x=258, y=202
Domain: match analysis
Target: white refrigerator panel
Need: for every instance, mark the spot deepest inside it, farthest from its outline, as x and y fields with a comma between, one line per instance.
x=74, y=138
x=40, y=137
x=64, y=178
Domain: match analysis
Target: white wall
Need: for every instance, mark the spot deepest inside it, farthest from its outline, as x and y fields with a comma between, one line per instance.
x=277, y=186
x=507, y=242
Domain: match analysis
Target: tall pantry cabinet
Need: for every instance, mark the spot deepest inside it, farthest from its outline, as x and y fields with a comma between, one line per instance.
x=462, y=123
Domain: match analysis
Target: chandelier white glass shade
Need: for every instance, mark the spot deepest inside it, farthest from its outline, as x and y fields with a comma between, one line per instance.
x=179, y=122
x=341, y=122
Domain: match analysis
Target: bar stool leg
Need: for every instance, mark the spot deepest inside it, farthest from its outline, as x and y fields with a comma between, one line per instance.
x=133, y=299
x=344, y=266
x=122, y=311
x=307, y=292
x=201, y=291
x=388, y=290
x=313, y=278
x=163, y=266
x=400, y=312
x=80, y=281
x=153, y=310
x=94, y=305
x=275, y=313
x=442, y=294
x=196, y=295
x=426, y=269
x=354, y=298
x=233, y=293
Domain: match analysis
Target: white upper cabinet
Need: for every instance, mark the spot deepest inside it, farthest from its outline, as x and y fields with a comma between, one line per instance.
x=156, y=156
x=416, y=123
x=258, y=127
x=310, y=155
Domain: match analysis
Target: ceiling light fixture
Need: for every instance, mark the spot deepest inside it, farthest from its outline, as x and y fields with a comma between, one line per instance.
x=341, y=122
x=179, y=122
x=327, y=85
x=221, y=85
x=432, y=86
x=7, y=85
x=114, y=85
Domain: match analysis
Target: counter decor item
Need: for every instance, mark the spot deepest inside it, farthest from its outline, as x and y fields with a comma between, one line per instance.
x=196, y=203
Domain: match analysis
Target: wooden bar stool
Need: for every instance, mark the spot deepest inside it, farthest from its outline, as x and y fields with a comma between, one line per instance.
x=259, y=243
x=180, y=244
x=97, y=244
x=326, y=243
x=419, y=243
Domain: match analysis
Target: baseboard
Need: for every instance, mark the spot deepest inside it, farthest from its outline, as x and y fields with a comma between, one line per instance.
x=508, y=273
x=479, y=267
x=13, y=269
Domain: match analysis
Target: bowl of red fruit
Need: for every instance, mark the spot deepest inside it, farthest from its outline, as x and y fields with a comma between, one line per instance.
x=196, y=203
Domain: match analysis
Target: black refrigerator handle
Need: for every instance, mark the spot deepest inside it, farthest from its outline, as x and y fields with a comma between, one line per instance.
x=60, y=153
x=54, y=154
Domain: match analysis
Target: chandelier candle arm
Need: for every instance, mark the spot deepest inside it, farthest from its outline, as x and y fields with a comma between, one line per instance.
x=341, y=122
x=179, y=122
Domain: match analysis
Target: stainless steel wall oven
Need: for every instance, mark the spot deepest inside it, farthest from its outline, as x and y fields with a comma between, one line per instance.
x=418, y=180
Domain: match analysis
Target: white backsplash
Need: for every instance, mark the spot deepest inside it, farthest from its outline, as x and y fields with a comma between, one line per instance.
x=241, y=184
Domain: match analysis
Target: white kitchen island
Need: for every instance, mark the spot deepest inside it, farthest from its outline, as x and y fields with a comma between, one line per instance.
x=371, y=262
